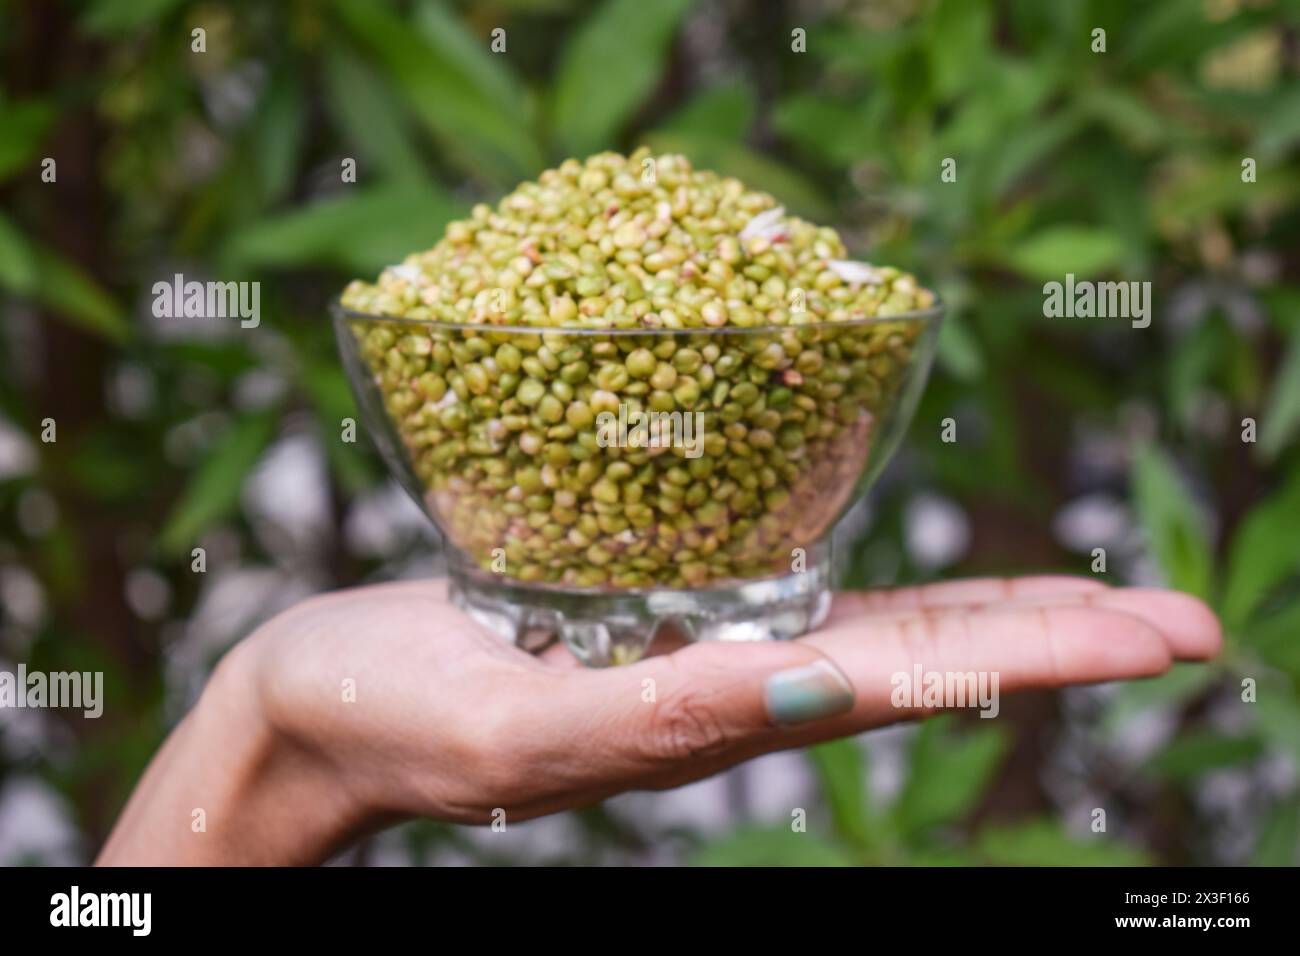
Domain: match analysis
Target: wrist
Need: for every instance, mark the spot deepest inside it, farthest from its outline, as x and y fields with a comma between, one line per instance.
x=280, y=800
x=231, y=787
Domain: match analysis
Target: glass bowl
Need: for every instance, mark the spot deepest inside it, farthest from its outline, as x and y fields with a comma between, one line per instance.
x=599, y=484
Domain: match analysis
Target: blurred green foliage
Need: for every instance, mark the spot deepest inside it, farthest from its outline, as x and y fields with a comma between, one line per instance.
x=1125, y=164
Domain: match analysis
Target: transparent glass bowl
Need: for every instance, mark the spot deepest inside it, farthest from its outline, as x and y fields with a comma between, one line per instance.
x=570, y=509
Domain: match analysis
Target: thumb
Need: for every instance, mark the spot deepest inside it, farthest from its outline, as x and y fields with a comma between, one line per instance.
x=680, y=716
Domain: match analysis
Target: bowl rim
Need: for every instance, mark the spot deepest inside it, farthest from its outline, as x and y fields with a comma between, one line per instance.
x=931, y=313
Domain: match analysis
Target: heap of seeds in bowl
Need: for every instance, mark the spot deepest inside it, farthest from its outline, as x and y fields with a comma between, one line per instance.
x=634, y=374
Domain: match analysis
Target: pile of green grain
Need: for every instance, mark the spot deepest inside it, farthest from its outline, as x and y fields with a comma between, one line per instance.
x=497, y=416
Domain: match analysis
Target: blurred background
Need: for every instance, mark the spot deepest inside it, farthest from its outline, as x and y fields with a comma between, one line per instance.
x=1173, y=448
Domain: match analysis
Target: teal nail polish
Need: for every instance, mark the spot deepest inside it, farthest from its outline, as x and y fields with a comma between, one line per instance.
x=800, y=694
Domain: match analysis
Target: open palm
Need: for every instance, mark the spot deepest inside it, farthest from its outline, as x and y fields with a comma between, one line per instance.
x=450, y=722
x=356, y=709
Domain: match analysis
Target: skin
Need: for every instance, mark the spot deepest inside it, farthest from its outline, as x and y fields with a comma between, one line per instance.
x=449, y=722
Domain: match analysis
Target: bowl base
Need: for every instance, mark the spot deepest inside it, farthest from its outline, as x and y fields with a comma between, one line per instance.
x=602, y=628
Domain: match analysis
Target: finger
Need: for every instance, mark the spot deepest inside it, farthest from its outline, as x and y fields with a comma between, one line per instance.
x=1187, y=624
x=974, y=592
x=965, y=593
x=1040, y=646
x=1049, y=646
x=667, y=720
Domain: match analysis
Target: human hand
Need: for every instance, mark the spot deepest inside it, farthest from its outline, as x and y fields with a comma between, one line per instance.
x=447, y=721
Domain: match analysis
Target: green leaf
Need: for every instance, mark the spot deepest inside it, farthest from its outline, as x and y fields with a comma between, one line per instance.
x=1280, y=420
x=1204, y=190
x=278, y=134
x=1002, y=105
x=957, y=40
x=1196, y=358
x=108, y=465
x=948, y=774
x=1127, y=116
x=359, y=232
x=1058, y=250
x=1193, y=754
x=17, y=260
x=471, y=55
x=113, y=17
x=859, y=54
x=609, y=66
x=959, y=350
x=1278, y=717
x=771, y=846
x=725, y=111
x=841, y=767
x=1276, y=637
x=757, y=171
x=1161, y=35
x=213, y=491
x=1280, y=129
x=376, y=127
x=327, y=386
x=25, y=124
x=224, y=360
x=1173, y=522
x=941, y=856
x=67, y=291
x=833, y=130
x=1265, y=552
x=1171, y=689
x=1279, y=837
x=454, y=85
x=1044, y=843
x=1015, y=155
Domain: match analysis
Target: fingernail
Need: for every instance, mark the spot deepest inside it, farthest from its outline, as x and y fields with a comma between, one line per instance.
x=801, y=694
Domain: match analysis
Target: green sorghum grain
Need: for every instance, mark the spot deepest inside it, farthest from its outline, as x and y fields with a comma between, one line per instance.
x=499, y=412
